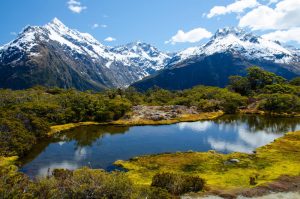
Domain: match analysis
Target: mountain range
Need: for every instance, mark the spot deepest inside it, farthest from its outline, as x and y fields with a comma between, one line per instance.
x=55, y=55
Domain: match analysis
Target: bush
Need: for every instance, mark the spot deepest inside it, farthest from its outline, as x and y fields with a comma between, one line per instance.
x=295, y=81
x=280, y=103
x=178, y=184
x=281, y=88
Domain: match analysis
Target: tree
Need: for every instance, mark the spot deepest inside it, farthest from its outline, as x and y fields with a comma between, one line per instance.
x=295, y=81
x=259, y=78
x=240, y=85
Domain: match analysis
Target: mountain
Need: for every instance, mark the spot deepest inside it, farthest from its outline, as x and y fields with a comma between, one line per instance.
x=229, y=52
x=55, y=55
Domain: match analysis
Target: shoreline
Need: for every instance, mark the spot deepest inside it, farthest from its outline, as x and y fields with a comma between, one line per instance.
x=138, y=122
x=143, y=122
x=267, y=166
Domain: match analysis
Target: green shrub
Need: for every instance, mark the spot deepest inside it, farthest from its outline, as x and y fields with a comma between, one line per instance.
x=295, y=81
x=280, y=103
x=178, y=184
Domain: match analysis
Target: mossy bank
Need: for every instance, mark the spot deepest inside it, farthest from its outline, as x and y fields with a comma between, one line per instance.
x=223, y=171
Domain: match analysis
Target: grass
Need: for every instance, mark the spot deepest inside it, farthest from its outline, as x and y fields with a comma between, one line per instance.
x=282, y=157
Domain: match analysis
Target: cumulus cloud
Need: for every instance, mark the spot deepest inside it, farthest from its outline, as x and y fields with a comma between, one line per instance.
x=285, y=15
x=284, y=35
x=192, y=36
x=75, y=6
x=110, y=39
x=238, y=6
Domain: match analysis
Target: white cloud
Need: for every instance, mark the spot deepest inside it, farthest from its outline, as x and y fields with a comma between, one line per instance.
x=98, y=25
x=272, y=2
x=95, y=26
x=75, y=6
x=238, y=6
x=195, y=126
x=110, y=39
x=285, y=15
x=192, y=36
x=284, y=35
x=13, y=33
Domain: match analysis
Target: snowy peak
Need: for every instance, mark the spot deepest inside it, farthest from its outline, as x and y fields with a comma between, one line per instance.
x=138, y=48
x=57, y=23
x=141, y=59
x=223, y=32
x=142, y=54
x=240, y=43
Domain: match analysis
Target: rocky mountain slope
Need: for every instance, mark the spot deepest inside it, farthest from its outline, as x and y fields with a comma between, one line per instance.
x=229, y=52
x=55, y=55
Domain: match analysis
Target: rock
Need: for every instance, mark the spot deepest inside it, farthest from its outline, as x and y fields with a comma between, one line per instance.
x=234, y=161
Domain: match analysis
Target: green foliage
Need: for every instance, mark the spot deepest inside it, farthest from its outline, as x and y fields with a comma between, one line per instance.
x=12, y=183
x=295, y=81
x=19, y=131
x=81, y=183
x=178, y=184
x=280, y=103
x=239, y=84
x=211, y=99
x=255, y=80
x=27, y=115
x=259, y=78
x=282, y=89
x=157, y=96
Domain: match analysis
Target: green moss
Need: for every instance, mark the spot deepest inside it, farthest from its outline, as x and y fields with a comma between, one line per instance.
x=282, y=157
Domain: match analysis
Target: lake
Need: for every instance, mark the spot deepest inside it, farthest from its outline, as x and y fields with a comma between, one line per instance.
x=100, y=146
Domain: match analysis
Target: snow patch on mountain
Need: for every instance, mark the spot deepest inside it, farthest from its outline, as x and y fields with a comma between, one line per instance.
x=238, y=41
x=141, y=56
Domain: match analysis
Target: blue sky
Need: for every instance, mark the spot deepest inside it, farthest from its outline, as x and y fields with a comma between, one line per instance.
x=152, y=21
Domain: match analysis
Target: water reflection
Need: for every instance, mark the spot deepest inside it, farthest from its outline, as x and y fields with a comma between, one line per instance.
x=100, y=146
x=195, y=126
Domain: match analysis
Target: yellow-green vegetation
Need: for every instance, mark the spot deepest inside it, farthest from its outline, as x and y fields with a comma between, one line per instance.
x=223, y=171
x=139, y=122
x=63, y=127
x=7, y=161
x=182, y=118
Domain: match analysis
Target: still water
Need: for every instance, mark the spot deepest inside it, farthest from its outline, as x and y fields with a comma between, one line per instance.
x=100, y=146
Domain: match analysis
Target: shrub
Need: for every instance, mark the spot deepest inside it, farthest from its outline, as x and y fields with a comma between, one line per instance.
x=280, y=103
x=295, y=81
x=178, y=184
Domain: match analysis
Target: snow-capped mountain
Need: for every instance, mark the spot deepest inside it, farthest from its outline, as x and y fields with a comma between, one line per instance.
x=55, y=55
x=229, y=52
x=241, y=43
x=143, y=55
x=73, y=59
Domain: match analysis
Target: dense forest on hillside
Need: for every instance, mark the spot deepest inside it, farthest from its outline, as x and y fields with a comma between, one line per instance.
x=27, y=115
